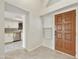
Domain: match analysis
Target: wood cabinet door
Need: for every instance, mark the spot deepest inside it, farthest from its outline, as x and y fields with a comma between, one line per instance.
x=65, y=32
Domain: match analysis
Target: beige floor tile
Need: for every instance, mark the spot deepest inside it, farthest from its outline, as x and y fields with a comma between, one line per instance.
x=39, y=53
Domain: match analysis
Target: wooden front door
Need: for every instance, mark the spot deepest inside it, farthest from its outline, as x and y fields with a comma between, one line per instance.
x=65, y=32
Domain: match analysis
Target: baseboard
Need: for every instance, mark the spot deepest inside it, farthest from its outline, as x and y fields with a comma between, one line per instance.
x=31, y=49
x=49, y=47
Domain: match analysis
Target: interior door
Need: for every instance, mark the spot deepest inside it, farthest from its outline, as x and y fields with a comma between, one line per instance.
x=65, y=32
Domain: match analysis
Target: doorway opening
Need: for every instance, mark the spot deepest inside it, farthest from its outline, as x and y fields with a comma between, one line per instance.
x=14, y=27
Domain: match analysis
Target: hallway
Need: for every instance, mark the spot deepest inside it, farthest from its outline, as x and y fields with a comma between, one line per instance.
x=39, y=29
x=39, y=53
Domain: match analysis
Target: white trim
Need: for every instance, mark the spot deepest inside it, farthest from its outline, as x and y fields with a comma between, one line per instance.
x=78, y=30
x=26, y=10
x=57, y=7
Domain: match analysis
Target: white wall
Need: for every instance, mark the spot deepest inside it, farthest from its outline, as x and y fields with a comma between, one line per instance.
x=33, y=30
x=48, y=22
x=50, y=16
x=1, y=29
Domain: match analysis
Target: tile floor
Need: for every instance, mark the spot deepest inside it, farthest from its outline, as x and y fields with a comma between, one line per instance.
x=39, y=53
x=13, y=46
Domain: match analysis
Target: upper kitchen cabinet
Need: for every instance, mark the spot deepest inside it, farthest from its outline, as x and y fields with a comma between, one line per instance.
x=13, y=16
x=11, y=24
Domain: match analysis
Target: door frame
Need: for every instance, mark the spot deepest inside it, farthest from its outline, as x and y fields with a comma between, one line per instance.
x=62, y=11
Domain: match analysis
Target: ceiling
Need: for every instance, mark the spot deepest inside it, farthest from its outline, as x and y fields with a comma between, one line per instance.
x=14, y=13
x=49, y=2
x=13, y=9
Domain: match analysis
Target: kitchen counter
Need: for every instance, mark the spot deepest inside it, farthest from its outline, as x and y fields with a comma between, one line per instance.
x=12, y=30
x=12, y=35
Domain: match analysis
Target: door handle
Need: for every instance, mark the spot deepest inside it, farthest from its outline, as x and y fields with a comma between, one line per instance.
x=55, y=33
